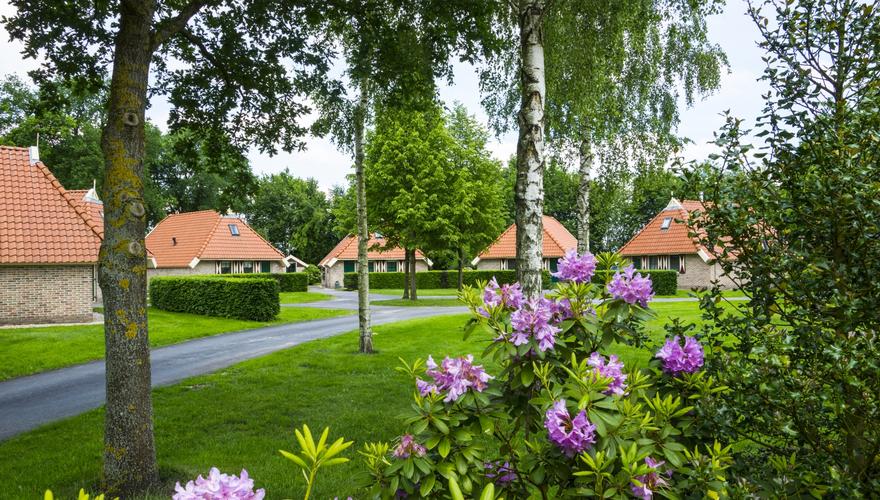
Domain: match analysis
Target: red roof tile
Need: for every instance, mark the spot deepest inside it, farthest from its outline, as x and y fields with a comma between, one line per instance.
x=557, y=241
x=653, y=240
x=180, y=238
x=41, y=223
x=347, y=249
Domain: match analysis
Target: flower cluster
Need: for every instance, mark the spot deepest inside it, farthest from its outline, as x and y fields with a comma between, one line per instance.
x=454, y=376
x=576, y=268
x=407, y=447
x=677, y=358
x=501, y=474
x=611, y=368
x=561, y=309
x=634, y=289
x=645, y=485
x=534, y=320
x=219, y=487
x=571, y=435
x=508, y=296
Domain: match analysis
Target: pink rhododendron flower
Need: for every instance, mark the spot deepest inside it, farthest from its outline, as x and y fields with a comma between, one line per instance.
x=408, y=447
x=571, y=435
x=533, y=320
x=632, y=287
x=219, y=486
x=576, y=268
x=612, y=368
x=454, y=377
x=681, y=359
x=650, y=481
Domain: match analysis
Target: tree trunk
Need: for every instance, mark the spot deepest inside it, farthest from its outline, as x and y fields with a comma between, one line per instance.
x=412, y=275
x=405, y=273
x=583, y=200
x=129, y=449
x=366, y=332
x=530, y=149
x=460, y=268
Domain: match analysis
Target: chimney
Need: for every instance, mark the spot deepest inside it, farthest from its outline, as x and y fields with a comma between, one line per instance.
x=34, y=154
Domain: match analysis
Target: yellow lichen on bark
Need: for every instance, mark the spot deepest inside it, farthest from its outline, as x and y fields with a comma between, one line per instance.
x=131, y=330
x=124, y=283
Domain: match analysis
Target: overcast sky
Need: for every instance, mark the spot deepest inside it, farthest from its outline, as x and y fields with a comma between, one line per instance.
x=740, y=92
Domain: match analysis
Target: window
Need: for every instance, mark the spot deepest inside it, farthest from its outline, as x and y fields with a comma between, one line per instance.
x=225, y=267
x=554, y=265
x=265, y=267
x=675, y=262
x=637, y=262
x=666, y=222
x=391, y=266
x=233, y=229
x=653, y=262
x=371, y=267
x=247, y=266
x=511, y=264
x=348, y=266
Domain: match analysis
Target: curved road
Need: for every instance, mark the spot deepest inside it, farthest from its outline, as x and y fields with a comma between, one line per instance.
x=28, y=402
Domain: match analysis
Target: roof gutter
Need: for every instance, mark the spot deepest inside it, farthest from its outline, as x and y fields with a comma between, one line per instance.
x=193, y=263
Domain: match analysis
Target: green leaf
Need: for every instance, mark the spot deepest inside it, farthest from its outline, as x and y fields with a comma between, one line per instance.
x=444, y=447
x=427, y=485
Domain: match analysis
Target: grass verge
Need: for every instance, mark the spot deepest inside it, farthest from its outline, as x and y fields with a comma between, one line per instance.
x=33, y=350
x=302, y=297
x=419, y=303
x=428, y=292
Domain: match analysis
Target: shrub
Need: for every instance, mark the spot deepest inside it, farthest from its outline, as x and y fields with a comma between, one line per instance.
x=252, y=298
x=437, y=279
x=287, y=282
x=664, y=281
x=313, y=274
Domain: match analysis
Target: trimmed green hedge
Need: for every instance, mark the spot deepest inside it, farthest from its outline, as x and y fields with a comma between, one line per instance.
x=663, y=281
x=436, y=279
x=287, y=282
x=252, y=298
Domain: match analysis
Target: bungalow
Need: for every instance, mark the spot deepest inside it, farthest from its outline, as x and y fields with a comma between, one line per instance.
x=206, y=242
x=501, y=254
x=665, y=243
x=49, y=245
x=343, y=259
x=295, y=264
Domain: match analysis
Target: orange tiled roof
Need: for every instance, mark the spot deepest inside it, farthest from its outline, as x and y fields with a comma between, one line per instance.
x=347, y=249
x=180, y=238
x=41, y=223
x=94, y=209
x=652, y=240
x=557, y=241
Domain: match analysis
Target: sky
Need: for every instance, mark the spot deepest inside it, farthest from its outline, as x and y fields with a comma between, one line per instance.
x=740, y=93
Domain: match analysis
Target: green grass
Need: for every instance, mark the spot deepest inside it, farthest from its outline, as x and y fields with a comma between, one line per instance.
x=32, y=350
x=419, y=303
x=302, y=297
x=239, y=417
x=428, y=292
x=688, y=293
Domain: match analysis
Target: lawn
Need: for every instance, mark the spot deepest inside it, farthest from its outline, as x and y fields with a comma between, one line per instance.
x=419, y=303
x=302, y=297
x=32, y=350
x=428, y=292
x=239, y=417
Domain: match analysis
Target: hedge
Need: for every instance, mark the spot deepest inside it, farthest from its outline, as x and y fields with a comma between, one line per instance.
x=252, y=298
x=664, y=281
x=287, y=282
x=436, y=279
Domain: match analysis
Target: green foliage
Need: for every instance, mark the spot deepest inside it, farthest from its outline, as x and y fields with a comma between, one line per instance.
x=82, y=496
x=313, y=274
x=438, y=279
x=663, y=281
x=796, y=222
x=313, y=456
x=250, y=297
x=287, y=282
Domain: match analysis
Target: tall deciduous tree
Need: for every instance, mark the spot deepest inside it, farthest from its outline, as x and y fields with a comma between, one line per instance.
x=233, y=78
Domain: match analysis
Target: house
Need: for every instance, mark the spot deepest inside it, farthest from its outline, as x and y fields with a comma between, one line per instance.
x=49, y=245
x=501, y=254
x=343, y=259
x=207, y=242
x=665, y=243
x=295, y=264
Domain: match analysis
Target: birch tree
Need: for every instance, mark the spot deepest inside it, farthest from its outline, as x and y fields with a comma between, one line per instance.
x=232, y=79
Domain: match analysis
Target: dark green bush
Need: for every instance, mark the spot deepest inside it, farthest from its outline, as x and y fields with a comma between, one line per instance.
x=287, y=282
x=253, y=298
x=664, y=281
x=436, y=279
x=313, y=274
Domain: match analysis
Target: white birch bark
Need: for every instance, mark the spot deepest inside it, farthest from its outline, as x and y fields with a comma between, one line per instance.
x=364, y=328
x=583, y=199
x=530, y=149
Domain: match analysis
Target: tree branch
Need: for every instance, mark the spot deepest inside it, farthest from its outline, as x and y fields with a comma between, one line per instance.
x=168, y=27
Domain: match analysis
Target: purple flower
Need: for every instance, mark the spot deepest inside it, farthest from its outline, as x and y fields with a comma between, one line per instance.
x=677, y=358
x=502, y=474
x=219, y=487
x=576, y=268
x=533, y=320
x=572, y=435
x=454, y=377
x=509, y=296
x=613, y=369
x=560, y=309
x=649, y=482
x=407, y=447
x=633, y=289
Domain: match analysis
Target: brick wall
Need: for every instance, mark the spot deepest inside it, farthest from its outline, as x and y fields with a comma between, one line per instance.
x=45, y=294
x=336, y=273
x=699, y=274
x=203, y=267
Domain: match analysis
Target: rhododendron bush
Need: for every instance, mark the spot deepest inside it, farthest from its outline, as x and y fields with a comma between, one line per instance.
x=552, y=411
